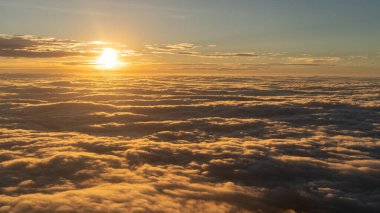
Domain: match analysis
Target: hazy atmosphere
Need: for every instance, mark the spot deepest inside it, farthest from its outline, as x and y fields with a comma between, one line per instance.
x=189, y=106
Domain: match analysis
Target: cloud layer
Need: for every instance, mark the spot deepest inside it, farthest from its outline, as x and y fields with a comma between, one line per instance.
x=188, y=144
x=43, y=53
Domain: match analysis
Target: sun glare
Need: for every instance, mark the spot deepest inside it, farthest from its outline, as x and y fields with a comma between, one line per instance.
x=109, y=59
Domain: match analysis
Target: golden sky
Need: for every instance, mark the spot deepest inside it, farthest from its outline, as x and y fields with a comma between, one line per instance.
x=245, y=35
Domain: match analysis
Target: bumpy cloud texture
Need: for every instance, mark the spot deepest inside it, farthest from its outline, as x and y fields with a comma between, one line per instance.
x=188, y=144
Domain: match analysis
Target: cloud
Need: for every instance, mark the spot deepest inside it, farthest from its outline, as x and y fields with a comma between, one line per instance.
x=237, y=54
x=188, y=49
x=182, y=56
x=74, y=143
x=171, y=48
x=313, y=60
x=29, y=46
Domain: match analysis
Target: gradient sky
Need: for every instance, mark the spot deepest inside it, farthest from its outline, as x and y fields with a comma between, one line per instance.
x=286, y=32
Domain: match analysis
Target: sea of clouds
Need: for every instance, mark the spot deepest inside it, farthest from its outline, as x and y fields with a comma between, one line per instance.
x=155, y=143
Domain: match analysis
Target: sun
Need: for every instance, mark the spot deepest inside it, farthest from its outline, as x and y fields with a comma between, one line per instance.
x=109, y=59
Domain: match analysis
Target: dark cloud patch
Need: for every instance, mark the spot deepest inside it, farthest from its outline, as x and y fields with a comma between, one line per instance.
x=238, y=54
x=171, y=47
x=28, y=46
x=188, y=144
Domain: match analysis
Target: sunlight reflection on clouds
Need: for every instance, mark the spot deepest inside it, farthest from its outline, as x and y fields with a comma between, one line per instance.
x=188, y=143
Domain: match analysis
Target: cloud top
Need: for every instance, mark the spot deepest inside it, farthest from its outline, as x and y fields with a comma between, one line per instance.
x=188, y=144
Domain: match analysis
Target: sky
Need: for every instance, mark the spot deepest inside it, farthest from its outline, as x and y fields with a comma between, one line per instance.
x=241, y=35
